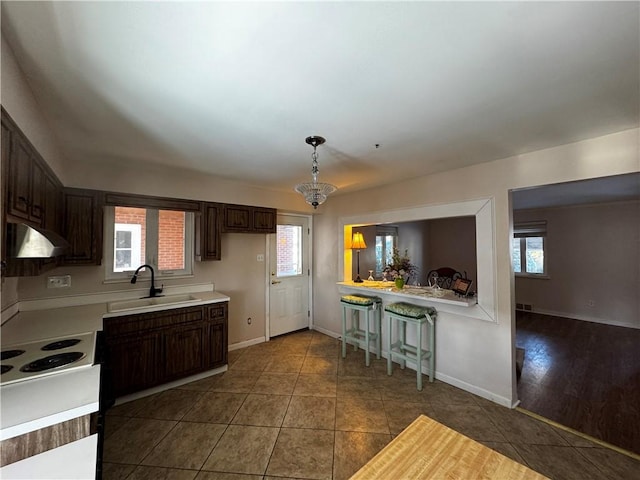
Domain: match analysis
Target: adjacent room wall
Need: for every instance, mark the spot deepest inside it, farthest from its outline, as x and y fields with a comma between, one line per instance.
x=452, y=243
x=593, y=263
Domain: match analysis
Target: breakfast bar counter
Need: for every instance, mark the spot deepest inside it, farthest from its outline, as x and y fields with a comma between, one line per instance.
x=427, y=449
x=441, y=299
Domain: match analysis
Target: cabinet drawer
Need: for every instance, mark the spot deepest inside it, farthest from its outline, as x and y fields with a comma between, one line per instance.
x=152, y=320
x=218, y=312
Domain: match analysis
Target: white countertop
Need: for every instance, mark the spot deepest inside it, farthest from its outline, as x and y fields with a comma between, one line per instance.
x=33, y=404
x=410, y=291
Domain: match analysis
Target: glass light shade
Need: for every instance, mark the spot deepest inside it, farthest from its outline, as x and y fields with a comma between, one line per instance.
x=315, y=193
x=358, y=241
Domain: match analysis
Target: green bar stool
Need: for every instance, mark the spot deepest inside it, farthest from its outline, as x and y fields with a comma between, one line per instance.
x=372, y=307
x=401, y=314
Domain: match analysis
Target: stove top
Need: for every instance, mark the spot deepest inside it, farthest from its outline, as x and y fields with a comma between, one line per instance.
x=50, y=356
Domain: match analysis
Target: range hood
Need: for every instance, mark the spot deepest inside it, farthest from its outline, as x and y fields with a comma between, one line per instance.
x=25, y=241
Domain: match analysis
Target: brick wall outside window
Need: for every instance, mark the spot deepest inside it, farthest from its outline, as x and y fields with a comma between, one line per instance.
x=171, y=234
x=171, y=248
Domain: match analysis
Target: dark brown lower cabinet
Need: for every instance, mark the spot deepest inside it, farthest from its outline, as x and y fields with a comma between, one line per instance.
x=148, y=349
x=185, y=351
x=134, y=362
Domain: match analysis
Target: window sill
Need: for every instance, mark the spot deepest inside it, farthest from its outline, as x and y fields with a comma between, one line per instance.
x=533, y=275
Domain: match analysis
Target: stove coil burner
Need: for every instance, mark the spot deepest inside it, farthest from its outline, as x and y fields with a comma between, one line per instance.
x=7, y=354
x=52, y=361
x=70, y=342
x=5, y=368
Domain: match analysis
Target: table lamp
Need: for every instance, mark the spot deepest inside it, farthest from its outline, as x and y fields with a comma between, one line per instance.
x=358, y=244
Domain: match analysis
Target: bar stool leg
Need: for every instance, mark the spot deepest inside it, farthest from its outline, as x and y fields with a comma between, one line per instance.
x=403, y=340
x=419, y=355
x=344, y=331
x=432, y=349
x=389, y=354
x=367, y=360
x=355, y=325
x=378, y=325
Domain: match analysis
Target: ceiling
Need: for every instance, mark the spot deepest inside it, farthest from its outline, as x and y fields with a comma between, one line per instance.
x=398, y=89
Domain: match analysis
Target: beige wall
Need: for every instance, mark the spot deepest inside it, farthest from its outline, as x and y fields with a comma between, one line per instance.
x=593, y=263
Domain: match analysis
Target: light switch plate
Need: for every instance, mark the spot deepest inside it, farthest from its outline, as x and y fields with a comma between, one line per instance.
x=59, y=281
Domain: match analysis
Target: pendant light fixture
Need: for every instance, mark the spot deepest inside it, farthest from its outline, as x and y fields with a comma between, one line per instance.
x=315, y=193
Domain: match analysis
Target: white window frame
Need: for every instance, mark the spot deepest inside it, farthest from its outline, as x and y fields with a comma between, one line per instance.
x=522, y=231
x=385, y=231
x=151, y=247
x=136, y=234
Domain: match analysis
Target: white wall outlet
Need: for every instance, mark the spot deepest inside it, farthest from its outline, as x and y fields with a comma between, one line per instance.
x=260, y=257
x=59, y=281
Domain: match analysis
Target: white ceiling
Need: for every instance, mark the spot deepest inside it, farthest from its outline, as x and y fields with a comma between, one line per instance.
x=233, y=89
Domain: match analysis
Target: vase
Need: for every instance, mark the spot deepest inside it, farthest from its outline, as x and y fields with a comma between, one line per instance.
x=399, y=283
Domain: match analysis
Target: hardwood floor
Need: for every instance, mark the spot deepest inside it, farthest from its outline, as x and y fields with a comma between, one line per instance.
x=583, y=375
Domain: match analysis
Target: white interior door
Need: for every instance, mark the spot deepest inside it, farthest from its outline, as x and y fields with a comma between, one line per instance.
x=289, y=275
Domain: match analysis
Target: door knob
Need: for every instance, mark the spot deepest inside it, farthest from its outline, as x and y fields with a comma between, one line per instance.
x=273, y=282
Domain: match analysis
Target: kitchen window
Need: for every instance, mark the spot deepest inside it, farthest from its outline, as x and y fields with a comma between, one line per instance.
x=160, y=238
x=528, y=249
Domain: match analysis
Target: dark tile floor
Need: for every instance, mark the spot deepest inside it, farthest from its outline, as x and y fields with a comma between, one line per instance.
x=583, y=375
x=292, y=408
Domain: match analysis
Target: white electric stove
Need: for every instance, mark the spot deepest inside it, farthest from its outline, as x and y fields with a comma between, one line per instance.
x=27, y=361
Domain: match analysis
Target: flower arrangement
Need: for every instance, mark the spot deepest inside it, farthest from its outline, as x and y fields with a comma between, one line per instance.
x=400, y=266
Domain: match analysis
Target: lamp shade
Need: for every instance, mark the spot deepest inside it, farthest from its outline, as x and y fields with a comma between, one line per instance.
x=358, y=241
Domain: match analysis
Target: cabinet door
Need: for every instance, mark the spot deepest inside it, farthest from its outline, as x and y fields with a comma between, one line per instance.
x=264, y=220
x=19, y=185
x=218, y=341
x=82, y=226
x=237, y=218
x=218, y=345
x=184, y=351
x=37, y=196
x=52, y=201
x=135, y=361
x=210, y=232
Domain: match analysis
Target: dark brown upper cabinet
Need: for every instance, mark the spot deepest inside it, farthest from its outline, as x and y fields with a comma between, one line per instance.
x=31, y=193
x=28, y=178
x=82, y=226
x=208, y=245
x=247, y=219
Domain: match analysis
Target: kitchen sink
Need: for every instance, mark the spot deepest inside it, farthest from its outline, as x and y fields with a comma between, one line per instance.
x=150, y=302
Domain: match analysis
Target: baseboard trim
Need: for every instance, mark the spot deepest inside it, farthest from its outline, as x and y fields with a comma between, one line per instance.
x=170, y=385
x=247, y=343
x=582, y=318
x=326, y=332
x=481, y=392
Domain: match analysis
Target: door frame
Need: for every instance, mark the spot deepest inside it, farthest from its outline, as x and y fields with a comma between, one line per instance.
x=267, y=277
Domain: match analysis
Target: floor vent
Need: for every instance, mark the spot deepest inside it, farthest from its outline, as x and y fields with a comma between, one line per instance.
x=519, y=306
x=527, y=308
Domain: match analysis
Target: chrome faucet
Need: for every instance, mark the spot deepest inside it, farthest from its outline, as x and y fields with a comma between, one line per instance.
x=153, y=291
